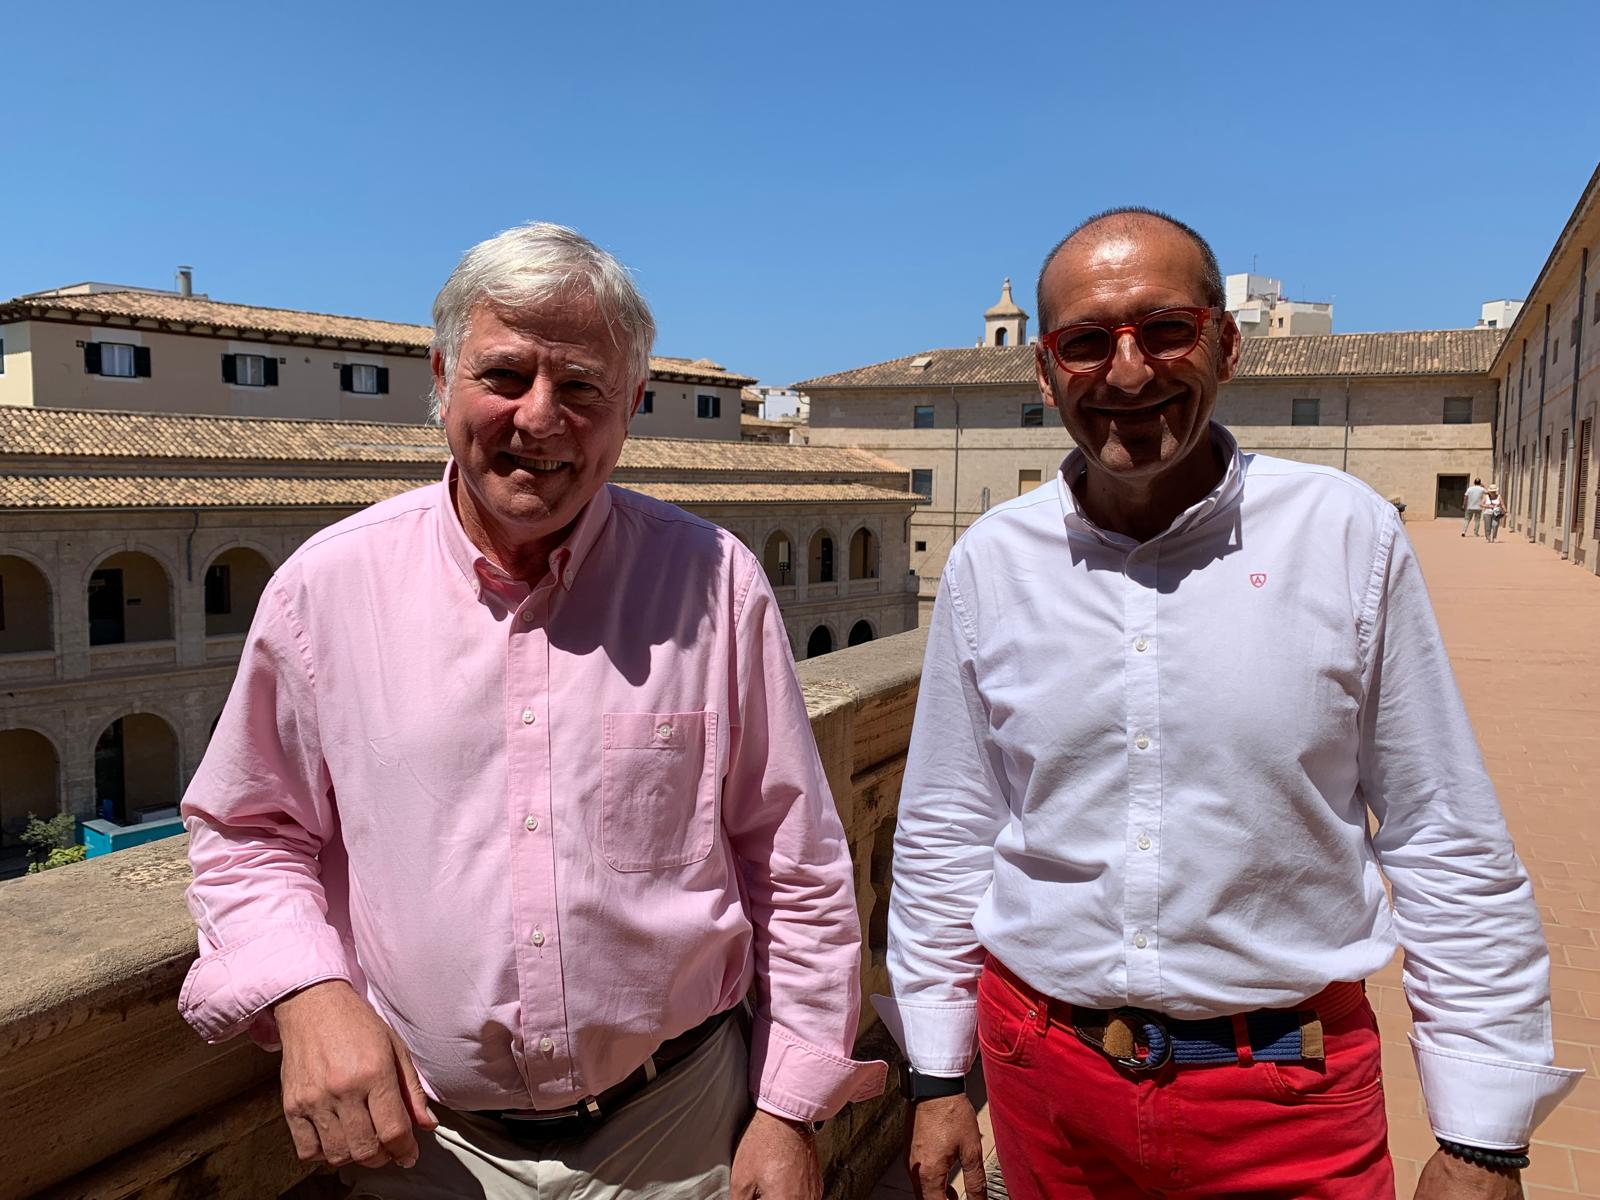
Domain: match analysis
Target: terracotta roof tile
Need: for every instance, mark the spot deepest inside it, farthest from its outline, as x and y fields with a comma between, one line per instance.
x=230, y=491
x=1419, y=352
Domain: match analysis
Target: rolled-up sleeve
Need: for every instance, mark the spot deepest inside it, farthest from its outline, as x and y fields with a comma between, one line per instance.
x=952, y=808
x=258, y=812
x=1477, y=968
x=799, y=882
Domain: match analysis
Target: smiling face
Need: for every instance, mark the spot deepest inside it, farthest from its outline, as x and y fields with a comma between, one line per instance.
x=1135, y=418
x=535, y=410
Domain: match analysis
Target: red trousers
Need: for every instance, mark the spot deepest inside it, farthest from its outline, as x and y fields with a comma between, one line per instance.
x=1071, y=1125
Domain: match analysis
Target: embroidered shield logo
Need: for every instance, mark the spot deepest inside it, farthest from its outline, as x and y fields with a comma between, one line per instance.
x=1258, y=579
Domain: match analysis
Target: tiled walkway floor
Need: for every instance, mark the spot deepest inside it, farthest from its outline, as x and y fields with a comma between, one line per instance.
x=1523, y=630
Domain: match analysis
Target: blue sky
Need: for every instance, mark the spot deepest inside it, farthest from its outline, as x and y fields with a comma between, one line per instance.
x=800, y=188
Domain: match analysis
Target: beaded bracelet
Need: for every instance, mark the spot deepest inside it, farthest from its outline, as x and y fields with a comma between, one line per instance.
x=1495, y=1160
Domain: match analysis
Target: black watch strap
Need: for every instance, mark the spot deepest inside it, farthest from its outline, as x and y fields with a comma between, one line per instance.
x=917, y=1086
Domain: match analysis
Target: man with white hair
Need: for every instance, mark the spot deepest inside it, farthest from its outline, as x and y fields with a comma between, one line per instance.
x=515, y=797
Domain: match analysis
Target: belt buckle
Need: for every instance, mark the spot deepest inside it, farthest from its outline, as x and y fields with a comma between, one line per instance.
x=1157, y=1040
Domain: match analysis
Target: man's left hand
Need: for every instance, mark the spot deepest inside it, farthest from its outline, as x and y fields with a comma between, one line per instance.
x=776, y=1160
x=1448, y=1178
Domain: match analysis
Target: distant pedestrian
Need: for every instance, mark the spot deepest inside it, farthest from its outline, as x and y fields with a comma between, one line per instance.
x=1474, y=520
x=1494, y=511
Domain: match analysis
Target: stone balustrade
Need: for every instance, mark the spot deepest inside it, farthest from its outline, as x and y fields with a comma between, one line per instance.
x=106, y=1093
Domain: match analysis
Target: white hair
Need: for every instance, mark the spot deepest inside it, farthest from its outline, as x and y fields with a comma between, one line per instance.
x=535, y=264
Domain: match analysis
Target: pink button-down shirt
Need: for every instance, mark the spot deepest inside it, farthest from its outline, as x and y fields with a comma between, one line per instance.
x=541, y=828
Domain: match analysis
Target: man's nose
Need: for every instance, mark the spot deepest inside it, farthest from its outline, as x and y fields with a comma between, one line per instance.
x=539, y=413
x=1130, y=371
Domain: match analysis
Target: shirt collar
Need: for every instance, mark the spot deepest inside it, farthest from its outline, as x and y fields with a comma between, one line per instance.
x=566, y=560
x=1219, y=499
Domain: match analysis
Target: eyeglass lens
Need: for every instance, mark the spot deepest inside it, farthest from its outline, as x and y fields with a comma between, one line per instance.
x=1161, y=335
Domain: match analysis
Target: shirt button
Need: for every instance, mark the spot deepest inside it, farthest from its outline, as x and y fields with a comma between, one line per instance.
x=663, y=730
x=1141, y=645
x=529, y=716
x=1140, y=941
x=546, y=1046
x=529, y=616
x=1143, y=843
x=531, y=824
x=1142, y=741
x=538, y=937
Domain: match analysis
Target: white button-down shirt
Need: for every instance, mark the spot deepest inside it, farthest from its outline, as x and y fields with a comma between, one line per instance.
x=1142, y=773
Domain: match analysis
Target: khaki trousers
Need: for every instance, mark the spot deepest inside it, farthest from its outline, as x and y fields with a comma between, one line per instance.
x=674, y=1141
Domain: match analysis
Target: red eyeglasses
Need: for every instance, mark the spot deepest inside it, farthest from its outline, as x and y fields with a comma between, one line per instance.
x=1165, y=335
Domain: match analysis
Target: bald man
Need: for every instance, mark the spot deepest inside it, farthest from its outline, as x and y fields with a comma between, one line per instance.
x=1166, y=697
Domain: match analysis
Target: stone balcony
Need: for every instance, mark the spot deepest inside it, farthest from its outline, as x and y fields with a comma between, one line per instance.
x=105, y=1092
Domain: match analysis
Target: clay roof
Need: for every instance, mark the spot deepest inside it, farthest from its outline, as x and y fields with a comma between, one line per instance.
x=194, y=314
x=42, y=433
x=1420, y=352
x=231, y=491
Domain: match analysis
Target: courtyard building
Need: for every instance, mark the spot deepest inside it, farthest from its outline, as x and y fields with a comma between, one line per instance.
x=134, y=547
x=129, y=349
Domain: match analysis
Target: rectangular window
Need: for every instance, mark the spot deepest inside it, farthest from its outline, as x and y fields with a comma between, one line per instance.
x=117, y=360
x=1580, y=486
x=1033, y=416
x=364, y=379
x=648, y=404
x=1561, y=477
x=250, y=370
x=921, y=547
x=1458, y=410
x=922, y=481
x=1555, y=351
x=1306, y=412
x=218, y=592
x=707, y=407
x=1028, y=479
x=922, y=416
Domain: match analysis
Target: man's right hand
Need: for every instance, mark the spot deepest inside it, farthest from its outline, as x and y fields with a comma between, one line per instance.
x=944, y=1134
x=350, y=1091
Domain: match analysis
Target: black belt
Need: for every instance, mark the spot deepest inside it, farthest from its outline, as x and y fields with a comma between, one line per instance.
x=543, y=1124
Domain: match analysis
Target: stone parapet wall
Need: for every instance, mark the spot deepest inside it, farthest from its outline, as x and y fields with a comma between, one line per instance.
x=105, y=1092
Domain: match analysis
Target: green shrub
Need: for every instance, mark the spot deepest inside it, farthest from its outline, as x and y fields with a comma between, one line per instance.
x=43, y=837
x=61, y=856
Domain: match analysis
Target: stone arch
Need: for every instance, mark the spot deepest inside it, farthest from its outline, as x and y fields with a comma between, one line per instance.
x=820, y=642
x=863, y=554
x=822, y=556
x=119, y=582
x=777, y=558
x=233, y=582
x=30, y=785
x=27, y=605
x=1000, y=335
x=860, y=632
x=136, y=768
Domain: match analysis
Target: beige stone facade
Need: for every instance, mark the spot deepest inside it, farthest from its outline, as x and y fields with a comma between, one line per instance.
x=989, y=441
x=133, y=350
x=1548, y=370
x=133, y=549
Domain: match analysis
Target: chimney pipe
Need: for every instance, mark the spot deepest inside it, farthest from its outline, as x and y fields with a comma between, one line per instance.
x=185, y=281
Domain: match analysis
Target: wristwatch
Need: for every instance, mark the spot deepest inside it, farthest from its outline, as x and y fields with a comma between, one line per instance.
x=915, y=1086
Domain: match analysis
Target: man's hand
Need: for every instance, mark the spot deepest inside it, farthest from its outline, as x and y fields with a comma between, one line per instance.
x=944, y=1133
x=776, y=1160
x=350, y=1091
x=1448, y=1178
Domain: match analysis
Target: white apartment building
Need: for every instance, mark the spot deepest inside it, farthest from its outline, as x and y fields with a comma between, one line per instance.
x=1261, y=309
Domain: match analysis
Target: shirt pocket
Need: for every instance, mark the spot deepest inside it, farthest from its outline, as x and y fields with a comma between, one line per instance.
x=658, y=806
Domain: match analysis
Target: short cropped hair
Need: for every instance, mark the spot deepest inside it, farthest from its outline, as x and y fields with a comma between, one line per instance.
x=1210, y=272
x=534, y=264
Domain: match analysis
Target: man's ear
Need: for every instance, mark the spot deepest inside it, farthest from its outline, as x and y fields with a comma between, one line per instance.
x=1041, y=370
x=1231, y=341
x=436, y=369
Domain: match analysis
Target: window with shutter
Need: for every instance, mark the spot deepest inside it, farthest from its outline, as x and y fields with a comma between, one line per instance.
x=91, y=358
x=1580, y=487
x=708, y=407
x=363, y=379
x=117, y=360
x=1561, y=476
x=381, y=377
x=269, y=372
x=230, y=370
x=347, y=378
x=141, y=361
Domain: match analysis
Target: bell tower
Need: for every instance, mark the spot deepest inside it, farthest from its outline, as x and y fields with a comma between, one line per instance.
x=1005, y=324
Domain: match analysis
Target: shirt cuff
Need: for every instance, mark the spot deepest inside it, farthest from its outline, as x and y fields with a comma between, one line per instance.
x=790, y=1077
x=229, y=990
x=1495, y=1103
x=938, y=1037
